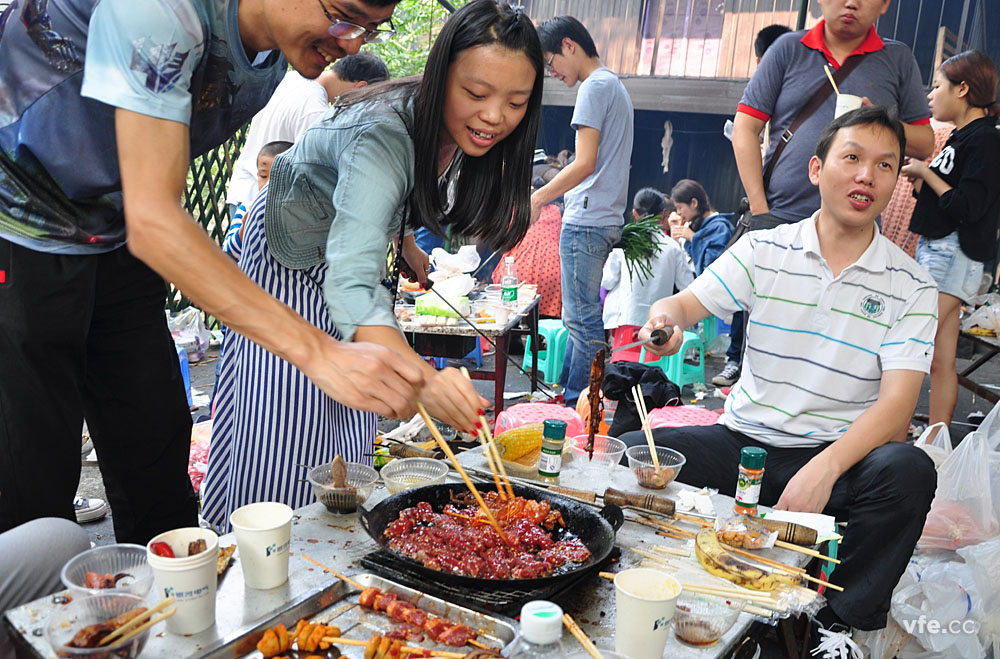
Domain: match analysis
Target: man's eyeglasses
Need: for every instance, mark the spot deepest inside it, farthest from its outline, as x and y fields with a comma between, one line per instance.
x=347, y=30
x=548, y=63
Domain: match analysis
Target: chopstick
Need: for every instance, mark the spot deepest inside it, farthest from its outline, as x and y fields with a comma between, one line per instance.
x=443, y=445
x=138, y=630
x=138, y=620
x=580, y=636
x=833, y=82
x=340, y=576
x=492, y=455
x=763, y=610
x=640, y=406
x=805, y=550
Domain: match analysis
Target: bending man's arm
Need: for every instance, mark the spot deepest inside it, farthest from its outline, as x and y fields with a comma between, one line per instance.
x=153, y=157
x=809, y=490
x=746, y=148
x=587, y=141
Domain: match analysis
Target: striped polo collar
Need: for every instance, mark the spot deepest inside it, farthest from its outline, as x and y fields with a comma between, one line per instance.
x=873, y=259
x=814, y=39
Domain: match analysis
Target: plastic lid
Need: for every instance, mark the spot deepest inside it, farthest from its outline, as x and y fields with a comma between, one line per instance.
x=554, y=429
x=752, y=457
x=541, y=622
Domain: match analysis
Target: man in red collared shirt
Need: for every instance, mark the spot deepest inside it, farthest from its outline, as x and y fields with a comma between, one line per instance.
x=790, y=73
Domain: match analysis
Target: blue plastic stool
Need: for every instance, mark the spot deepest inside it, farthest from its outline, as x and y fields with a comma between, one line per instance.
x=678, y=371
x=550, y=360
x=182, y=357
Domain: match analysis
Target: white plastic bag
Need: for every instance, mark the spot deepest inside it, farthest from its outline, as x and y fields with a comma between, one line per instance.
x=188, y=330
x=447, y=264
x=939, y=447
x=984, y=561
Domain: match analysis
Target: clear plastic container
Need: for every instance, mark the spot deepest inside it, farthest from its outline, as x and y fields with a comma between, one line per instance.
x=640, y=461
x=404, y=474
x=68, y=619
x=360, y=485
x=128, y=562
x=703, y=619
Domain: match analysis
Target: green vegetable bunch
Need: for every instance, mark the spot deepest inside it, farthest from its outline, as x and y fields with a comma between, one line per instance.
x=640, y=242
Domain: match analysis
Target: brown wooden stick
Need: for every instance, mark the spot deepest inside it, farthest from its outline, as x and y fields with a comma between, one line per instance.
x=335, y=573
x=607, y=575
x=692, y=519
x=136, y=621
x=791, y=569
x=581, y=636
x=443, y=445
x=340, y=640
x=492, y=454
x=640, y=406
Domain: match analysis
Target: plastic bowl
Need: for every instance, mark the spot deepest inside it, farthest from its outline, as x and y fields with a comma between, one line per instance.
x=640, y=461
x=607, y=450
x=360, y=485
x=109, y=559
x=408, y=473
x=70, y=618
x=703, y=619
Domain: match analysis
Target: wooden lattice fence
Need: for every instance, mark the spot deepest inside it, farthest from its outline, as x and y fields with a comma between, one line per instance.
x=205, y=199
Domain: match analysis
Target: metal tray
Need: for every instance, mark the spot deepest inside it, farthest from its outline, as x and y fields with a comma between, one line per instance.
x=338, y=604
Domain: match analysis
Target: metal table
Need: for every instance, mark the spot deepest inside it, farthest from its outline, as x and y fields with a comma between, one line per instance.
x=992, y=345
x=499, y=334
x=340, y=542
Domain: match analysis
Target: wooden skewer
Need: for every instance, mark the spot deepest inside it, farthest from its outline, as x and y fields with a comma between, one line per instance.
x=443, y=445
x=762, y=598
x=492, y=454
x=140, y=629
x=640, y=405
x=340, y=640
x=580, y=636
x=335, y=573
x=136, y=621
x=805, y=550
x=791, y=569
x=607, y=575
x=833, y=82
x=693, y=519
x=663, y=549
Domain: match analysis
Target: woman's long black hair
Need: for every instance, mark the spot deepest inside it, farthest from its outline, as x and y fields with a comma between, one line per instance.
x=492, y=199
x=492, y=194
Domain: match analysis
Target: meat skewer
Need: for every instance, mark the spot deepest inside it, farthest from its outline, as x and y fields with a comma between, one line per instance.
x=440, y=629
x=594, y=398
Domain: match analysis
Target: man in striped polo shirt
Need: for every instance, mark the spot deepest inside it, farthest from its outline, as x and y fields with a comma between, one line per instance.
x=840, y=333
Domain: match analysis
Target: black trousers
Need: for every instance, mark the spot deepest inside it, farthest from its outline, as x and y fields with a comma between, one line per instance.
x=884, y=498
x=86, y=337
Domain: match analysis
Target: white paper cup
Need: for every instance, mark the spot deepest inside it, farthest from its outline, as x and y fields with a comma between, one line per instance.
x=644, y=607
x=846, y=103
x=263, y=531
x=191, y=580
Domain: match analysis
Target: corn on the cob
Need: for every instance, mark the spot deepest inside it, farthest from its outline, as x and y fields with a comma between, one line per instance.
x=517, y=442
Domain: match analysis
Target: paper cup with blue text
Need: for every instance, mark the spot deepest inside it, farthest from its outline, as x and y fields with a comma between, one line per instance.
x=191, y=580
x=846, y=103
x=644, y=606
x=263, y=531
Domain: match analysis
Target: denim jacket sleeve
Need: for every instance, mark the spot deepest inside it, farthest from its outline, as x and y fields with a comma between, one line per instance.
x=376, y=175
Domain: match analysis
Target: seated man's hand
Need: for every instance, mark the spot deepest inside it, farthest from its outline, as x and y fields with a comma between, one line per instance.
x=661, y=321
x=809, y=490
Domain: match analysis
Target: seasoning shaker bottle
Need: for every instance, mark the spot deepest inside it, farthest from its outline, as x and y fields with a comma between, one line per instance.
x=550, y=460
x=751, y=474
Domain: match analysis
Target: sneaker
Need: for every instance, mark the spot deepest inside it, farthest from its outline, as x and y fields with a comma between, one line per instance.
x=728, y=376
x=89, y=510
x=836, y=643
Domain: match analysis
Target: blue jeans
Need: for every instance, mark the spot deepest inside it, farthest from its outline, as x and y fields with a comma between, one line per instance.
x=735, y=352
x=582, y=253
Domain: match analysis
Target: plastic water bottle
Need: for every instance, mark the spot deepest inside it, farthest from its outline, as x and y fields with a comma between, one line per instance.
x=508, y=282
x=541, y=631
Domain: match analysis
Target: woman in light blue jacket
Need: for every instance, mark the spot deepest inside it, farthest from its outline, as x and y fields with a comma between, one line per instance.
x=456, y=144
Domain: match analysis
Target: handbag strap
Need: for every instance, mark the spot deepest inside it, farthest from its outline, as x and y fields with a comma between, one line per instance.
x=815, y=101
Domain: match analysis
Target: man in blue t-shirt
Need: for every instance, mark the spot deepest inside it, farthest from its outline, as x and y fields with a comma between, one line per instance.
x=102, y=106
x=595, y=185
x=789, y=74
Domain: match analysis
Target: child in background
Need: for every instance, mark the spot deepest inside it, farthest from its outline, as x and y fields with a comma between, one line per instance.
x=708, y=232
x=628, y=300
x=958, y=202
x=233, y=244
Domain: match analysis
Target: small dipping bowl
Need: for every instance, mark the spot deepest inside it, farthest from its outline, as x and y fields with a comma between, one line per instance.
x=640, y=461
x=703, y=619
x=69, y=619
x=409, y=473
x=607, y=450
x=120, y=559
x=360, y=485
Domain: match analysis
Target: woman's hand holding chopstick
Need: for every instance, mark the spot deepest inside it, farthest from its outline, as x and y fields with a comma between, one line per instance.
x=450, y=397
